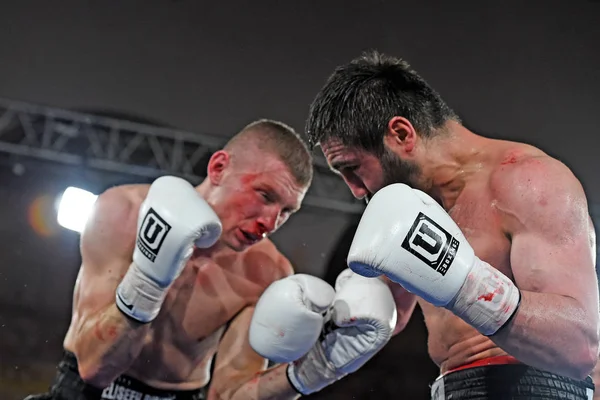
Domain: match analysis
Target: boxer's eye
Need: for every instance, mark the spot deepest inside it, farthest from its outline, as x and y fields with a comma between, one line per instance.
x=266, y=196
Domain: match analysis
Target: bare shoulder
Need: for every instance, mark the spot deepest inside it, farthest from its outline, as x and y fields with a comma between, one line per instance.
x=112, y=223
x=115, y=207
x=267, y=262
x=133, y=194
x=529, y=186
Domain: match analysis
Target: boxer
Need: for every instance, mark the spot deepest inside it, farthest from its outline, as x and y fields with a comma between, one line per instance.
x=492, y=238
x=171, y=274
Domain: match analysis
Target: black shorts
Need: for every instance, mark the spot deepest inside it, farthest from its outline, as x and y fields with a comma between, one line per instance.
x=68, y=385
x=513, y=381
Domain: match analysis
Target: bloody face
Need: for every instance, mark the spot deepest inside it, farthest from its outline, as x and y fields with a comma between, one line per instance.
x=254, y=198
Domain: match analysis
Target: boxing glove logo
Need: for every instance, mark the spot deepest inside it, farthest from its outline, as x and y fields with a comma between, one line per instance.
x=431, y=243
x=152, y=234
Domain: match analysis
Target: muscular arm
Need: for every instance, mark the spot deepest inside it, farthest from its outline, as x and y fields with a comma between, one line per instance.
x=405, y=304
x=552, y=258
x=105, y=342
x=240, y=373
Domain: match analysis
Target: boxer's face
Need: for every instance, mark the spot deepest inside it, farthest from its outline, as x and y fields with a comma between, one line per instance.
x=364, y=172
x=254, y=198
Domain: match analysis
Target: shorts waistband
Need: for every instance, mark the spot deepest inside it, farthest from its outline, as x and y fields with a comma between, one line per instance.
x=504, y=377
x=123, y=387
x=496, y=360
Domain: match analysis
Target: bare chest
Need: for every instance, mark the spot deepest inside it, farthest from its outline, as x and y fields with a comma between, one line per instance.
x=480, y=222
x=186, y=334
x=204, y=299
x=451, y=340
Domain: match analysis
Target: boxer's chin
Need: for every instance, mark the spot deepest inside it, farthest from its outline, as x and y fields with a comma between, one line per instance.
x=234, y=245
x=234, y=242
x=397, y=170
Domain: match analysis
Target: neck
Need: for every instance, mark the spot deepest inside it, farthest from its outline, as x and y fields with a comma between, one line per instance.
x=204, y=189
x=450, y=162
x=217, y=248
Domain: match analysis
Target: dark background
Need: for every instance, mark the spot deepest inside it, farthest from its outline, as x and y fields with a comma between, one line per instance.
x=525, y=71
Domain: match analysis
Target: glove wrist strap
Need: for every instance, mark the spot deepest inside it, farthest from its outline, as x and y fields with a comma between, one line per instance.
x=487, y=300
x=312, y=372
x=294, y=383
x=138, y=296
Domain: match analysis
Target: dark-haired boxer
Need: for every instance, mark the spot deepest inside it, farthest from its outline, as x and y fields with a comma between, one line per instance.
x=493, y=238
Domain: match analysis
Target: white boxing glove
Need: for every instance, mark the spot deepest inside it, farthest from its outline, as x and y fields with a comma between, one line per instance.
x=172, y=218
x=409, y=237
x=361, y=321
x=289, y=316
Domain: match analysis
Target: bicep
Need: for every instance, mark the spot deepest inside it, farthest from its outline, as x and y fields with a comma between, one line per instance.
x=543, y=265
x=236, y=360
x=96, y=286
x=106, y=252
x=551, y=250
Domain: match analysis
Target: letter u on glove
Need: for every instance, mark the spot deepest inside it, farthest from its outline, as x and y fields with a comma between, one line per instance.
x=406, y=235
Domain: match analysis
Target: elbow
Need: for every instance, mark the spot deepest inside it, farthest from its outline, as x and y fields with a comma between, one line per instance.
x=88, y=375
x=400, y=325
x=226, y=385
x=219, y=394
x=95, y=378
x=90, y=372
x=589, y=362
x=403, y=318
x=405, y=305
x=586, y=358
x=584, y=366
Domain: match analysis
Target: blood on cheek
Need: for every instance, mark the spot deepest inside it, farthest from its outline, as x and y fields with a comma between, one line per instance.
x=245, y=204
x=237, y=206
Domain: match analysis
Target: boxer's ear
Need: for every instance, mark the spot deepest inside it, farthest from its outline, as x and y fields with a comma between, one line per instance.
x=400, y=136
x=217, y=165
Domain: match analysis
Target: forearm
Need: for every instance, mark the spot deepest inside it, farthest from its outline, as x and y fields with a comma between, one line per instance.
x=272, y=384
x=551, y=332
x=405, y=304
x=107, y=344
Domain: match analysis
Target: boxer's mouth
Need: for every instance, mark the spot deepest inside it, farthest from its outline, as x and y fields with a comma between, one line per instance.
x=251, y=237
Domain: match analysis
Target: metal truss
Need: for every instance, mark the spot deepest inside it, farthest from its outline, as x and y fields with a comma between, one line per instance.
x=116, y=145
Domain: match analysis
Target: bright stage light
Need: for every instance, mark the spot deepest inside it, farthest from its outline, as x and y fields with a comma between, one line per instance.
x=74, y=208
